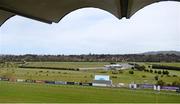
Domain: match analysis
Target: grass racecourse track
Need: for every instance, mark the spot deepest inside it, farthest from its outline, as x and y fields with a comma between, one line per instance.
x=42, y=93
x=68, y=64
x=83, y=75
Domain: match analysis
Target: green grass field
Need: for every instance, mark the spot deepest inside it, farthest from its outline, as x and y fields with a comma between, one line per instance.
x=42, y=93
x=83, y=75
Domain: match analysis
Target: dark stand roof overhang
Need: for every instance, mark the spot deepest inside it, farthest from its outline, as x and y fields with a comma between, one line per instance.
x=50, y=11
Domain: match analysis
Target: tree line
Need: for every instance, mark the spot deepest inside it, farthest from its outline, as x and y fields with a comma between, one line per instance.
x=52, y=68
x=91, y=58
x=157, y=66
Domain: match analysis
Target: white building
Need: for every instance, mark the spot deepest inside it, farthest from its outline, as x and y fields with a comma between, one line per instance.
x=102, y=77
x=118, y=66
x=102, y=81
x=113, y=66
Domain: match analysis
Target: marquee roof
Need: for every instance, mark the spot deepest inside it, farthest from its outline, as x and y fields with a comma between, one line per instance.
x=50, y=11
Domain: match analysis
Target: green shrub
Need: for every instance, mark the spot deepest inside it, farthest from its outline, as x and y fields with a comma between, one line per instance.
x=165, y=72
x=131, y=72
x=156, y=77
x=140, y=67
x=113, y=76
x=175, y=76
x=176, y=83
x=161, y=82
x=114, y=72
x=151, y=71
x=120, y=72
x=159, y=72
x=144, y=76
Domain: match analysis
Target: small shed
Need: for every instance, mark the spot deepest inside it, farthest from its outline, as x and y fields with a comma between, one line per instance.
x=132, y=86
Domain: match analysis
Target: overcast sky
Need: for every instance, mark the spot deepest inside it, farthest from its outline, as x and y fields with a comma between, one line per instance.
x=89, y=30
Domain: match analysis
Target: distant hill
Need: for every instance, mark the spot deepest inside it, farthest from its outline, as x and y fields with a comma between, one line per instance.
x=162, y=52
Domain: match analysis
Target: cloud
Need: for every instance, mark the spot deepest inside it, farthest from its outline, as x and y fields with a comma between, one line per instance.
x=90, y=30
